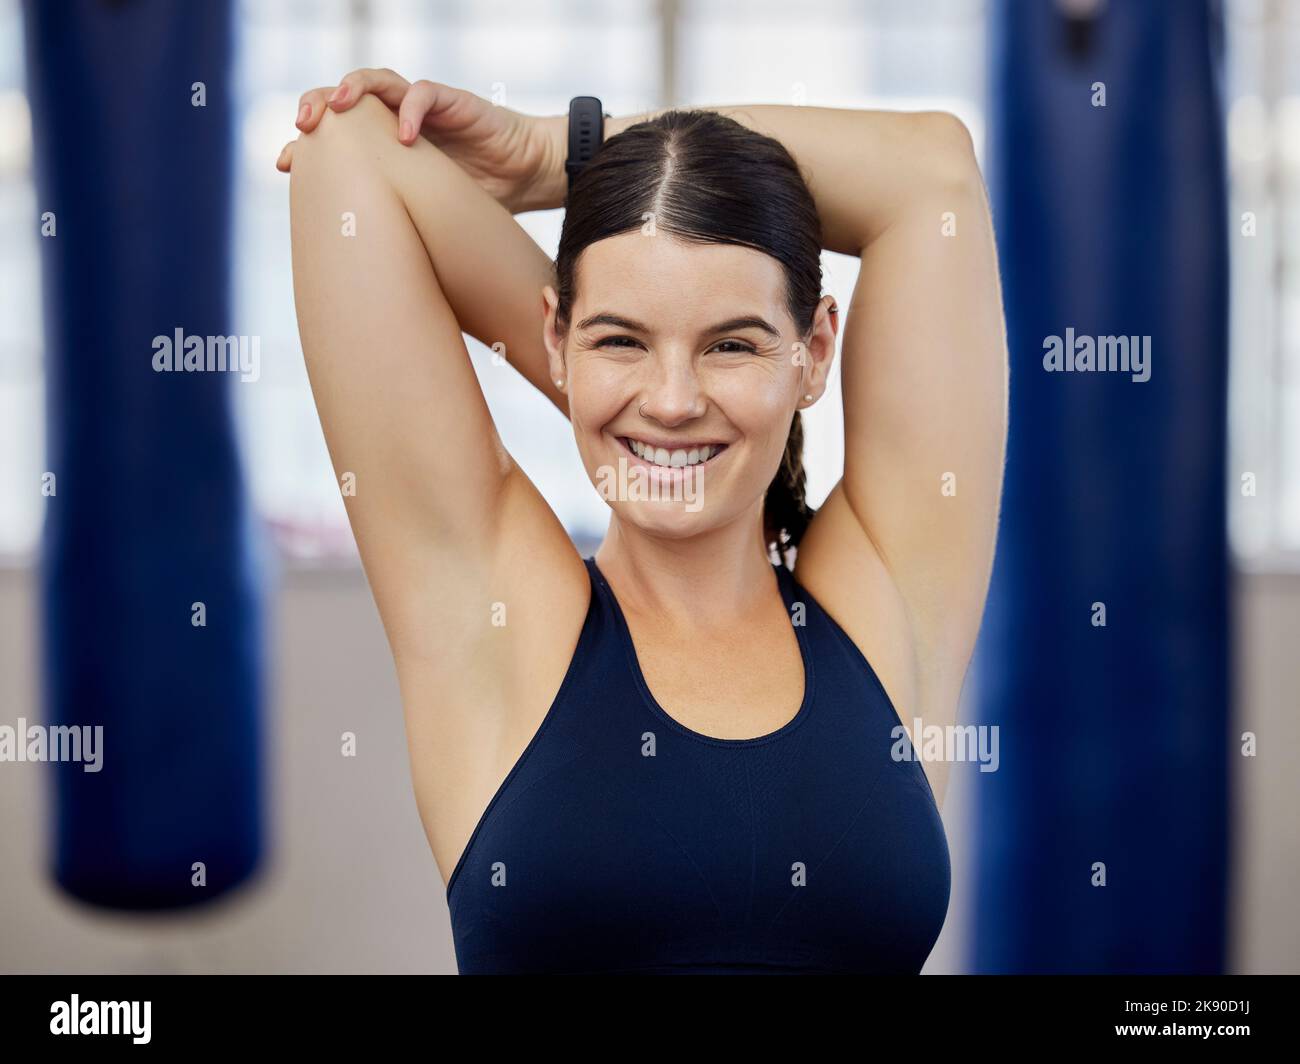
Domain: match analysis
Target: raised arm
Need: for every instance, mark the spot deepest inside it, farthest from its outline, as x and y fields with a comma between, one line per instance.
x=396, y=251
x=925, y=365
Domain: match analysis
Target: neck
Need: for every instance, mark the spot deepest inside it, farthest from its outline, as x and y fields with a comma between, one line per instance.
x=707, y=580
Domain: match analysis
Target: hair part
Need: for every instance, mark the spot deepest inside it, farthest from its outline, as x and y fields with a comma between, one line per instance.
x=702, y=177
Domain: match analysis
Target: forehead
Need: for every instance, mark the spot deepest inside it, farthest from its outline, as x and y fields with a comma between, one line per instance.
x=661, y=278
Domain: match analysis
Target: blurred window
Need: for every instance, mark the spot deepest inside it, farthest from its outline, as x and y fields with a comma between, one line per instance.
x=1262, y=105
x=637, y=54
x=22, y=382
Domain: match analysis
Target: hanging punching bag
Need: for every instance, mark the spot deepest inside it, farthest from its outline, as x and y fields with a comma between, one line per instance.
x=1102, y=838
x=151, y=626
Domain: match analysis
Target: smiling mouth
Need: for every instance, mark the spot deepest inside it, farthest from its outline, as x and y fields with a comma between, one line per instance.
x=674, y=458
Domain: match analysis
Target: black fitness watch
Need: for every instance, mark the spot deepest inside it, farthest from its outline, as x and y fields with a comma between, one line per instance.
x=586, y=133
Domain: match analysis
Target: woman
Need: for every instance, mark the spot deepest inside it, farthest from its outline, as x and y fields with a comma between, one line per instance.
x=676, y=756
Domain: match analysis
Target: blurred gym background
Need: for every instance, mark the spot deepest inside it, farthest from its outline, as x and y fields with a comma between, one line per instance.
x=1143, y=162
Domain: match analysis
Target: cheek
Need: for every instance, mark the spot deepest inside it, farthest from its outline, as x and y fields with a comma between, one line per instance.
x=598, y=392
x=757, y=402
x=604, y=382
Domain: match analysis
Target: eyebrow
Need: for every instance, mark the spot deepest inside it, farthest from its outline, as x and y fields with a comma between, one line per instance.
x=730, y=325
x=614, y=321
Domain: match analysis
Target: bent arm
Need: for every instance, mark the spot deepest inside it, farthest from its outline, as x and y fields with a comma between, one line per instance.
x=395, y=252
x=491, y=272
x=925, y=363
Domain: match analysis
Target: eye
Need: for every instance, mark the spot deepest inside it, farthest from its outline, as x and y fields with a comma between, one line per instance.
x=733, y=347
x=623, y=342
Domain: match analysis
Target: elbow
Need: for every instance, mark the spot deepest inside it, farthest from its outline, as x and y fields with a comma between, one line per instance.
x=949, y=150
x=366, y=132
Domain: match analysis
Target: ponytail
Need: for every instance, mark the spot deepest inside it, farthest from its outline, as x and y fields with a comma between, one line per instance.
x=786, y=513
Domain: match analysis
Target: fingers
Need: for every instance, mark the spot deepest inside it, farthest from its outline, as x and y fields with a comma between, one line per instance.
x=311, y=105
x=384, y=83
x=387, y=85
x=420, y=99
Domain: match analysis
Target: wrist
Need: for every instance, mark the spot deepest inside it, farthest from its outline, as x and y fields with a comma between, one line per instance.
x=547, y=189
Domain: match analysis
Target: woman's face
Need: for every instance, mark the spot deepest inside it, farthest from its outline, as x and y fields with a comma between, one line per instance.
x=683, y=370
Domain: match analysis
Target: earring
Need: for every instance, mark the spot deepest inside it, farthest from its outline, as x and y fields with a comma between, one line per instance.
x=559, y=382
x=807, y=397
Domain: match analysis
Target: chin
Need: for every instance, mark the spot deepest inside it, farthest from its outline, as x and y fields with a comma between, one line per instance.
x=664, y=520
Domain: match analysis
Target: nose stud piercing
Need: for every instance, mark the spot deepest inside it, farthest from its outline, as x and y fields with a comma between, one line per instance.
x=639, y=410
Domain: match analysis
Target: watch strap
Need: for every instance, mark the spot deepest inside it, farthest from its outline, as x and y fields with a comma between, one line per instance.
x=586, y=133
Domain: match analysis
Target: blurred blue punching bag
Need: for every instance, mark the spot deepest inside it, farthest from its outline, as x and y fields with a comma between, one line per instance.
x=1104, y=655
x=148, y=519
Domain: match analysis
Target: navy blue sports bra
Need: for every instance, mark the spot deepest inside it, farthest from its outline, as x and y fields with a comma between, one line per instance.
x=624, y=842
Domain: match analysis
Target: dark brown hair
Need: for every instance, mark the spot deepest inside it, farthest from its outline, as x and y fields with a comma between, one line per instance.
x=707, y=178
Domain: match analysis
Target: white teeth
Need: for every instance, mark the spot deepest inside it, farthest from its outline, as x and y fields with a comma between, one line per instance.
x=661, y=456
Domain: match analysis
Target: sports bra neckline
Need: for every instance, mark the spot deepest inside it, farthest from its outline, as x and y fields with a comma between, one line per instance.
x=787, y=586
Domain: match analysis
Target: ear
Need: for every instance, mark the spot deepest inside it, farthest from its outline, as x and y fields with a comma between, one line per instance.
x=552, y=338
x=821, y=352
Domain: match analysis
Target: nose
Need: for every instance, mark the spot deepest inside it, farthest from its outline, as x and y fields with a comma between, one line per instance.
x=674, y=396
